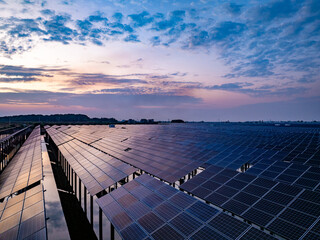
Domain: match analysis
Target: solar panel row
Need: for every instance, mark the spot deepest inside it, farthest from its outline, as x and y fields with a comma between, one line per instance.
x=58, y=137
x=97, y=170
x=22, y=213
x=293, y=174
x=146, y=208
x=25, y=168
x=23, y=216
x=163, y=165
x=264, y=202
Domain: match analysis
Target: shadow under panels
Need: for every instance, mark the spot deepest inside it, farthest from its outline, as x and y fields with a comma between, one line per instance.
x=25, y=168
x=97, y=170
x=146, y=208
x=23, y=216
x=286, y=210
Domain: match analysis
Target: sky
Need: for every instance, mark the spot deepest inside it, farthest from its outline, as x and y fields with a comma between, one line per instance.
x=196, y=60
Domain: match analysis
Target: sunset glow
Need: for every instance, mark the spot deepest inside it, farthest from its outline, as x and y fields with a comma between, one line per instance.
x=196, y=60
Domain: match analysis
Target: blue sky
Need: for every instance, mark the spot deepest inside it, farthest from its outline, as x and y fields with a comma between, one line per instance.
x=196, y=60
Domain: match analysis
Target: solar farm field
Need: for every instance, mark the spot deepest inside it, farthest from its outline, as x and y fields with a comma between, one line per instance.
x=171, y=181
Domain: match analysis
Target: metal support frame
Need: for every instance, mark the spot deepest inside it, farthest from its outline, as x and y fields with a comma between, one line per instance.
x=91, y=210
x=100, y=225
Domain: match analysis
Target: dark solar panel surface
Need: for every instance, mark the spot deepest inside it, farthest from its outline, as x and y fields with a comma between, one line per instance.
x=97, y=170
x=178, y=216
x=281, y=186
x=25, y=168
x=259, y=200
x=23, y=216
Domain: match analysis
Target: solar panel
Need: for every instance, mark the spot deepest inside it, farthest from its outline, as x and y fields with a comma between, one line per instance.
x=180, y=216
x=286, y=229
x=297, y=218
x=306, y=207
x=268, y=207
x=255, y=234
x=202, y=211
x=23, y=215
x=91, y=165
x=258, y=217
x=246, y=198
x=186, y=224
x=270, y=190
x=133, y=232
x=227, y=191
x=167, y=232
x=167, y=211
x=235, y=207
x=228, y=225
x=207, y=233
x=25, y=168
x=150, y=222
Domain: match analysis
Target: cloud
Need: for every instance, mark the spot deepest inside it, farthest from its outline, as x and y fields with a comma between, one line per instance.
x=14, y=73
x=155, y=40
x=98, y=17
x=48, y=12
x=175, y=17
x=58, y=31
x=269, y=39
x=132, y=38
x=18, y=79
x=275, y=10
x=141, y=19
x=233, y=8
x=227, y=29
x=118, y=16
x=309, y=78
x=28, y=2
x=230, y=86
x=102, y=102
x=92, y=79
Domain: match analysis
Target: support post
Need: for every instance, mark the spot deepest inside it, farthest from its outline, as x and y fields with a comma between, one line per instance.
x=91, y=210
x=100, y=224
x=111, y=231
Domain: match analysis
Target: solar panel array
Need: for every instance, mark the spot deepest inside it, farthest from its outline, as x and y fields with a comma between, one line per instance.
x=97, y=170
x=280, y=192
x=293, y=174
x=25, y=168
x=153, y=158
x=169, y=168
x=285, y=210
x=146, y=208
x=22, y=213
x=58, y=137
x=23, y=216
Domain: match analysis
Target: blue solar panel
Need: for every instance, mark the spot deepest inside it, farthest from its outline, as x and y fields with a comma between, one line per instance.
x=229, y=225
x=297, y=218
x=186, y=224
x=269, y=207
x=258, y=217
x=202, y=211
x=208, y=234
x=286, y=229
x=133, y=232
x=150, y=222
x=235, y=207
x=167, y=211
x=255, y=234
x=167, y=232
